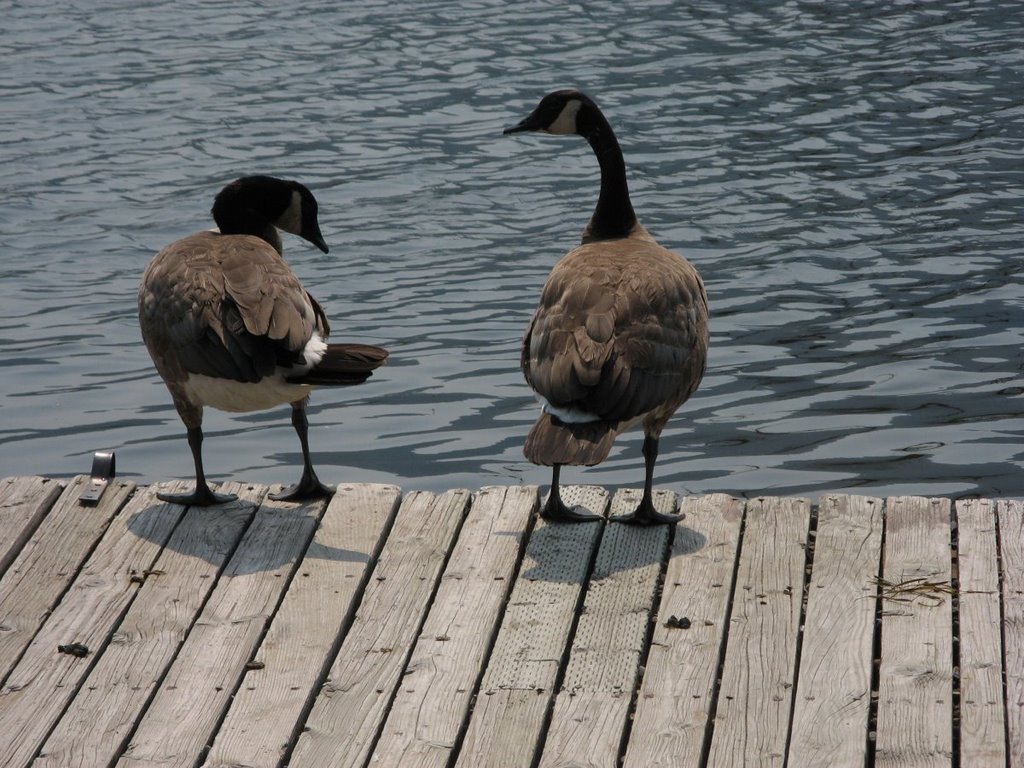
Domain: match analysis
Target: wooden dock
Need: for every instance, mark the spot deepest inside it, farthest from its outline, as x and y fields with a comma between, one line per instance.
x=458, y=629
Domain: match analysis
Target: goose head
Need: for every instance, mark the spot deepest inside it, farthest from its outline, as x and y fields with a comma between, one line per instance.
x=256, y=205
x=561, y=113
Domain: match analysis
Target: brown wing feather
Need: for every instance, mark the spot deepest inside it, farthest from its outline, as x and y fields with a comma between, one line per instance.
x=621, y=330
x=225, y=306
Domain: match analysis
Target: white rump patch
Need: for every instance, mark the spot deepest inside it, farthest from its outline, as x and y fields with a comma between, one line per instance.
x=567, y=415
x=565, y=123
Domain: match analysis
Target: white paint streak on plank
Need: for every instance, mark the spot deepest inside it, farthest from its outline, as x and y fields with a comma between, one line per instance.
x=982, y=721
x=44, y=680
x=675, y=696
x=752, y=720
x=592, y=707
x=830, y=720
x=1011, y=549
x=94, y=729
x=433, y=699
x=194, y=694
x=319, y=605
x=915, y=708
x=347, y=715
x=505, y=727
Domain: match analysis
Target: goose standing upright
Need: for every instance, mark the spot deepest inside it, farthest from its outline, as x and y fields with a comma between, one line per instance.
x=621, y=331
x=228, y=324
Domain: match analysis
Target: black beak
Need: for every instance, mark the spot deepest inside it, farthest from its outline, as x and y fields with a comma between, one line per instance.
x=527, y=124
x=316, y=239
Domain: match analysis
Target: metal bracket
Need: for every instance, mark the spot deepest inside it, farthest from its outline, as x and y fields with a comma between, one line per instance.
x=103, y=471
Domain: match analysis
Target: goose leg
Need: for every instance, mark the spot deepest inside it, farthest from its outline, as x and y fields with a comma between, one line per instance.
x=645, y=514
x=555, y=509
x=202, y=496
x=309, y=485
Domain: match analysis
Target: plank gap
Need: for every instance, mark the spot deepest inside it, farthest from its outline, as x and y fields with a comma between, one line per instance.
x=432, y=596
x=870, y=739
x=346, y=625
x=956, y=719
x=809, y=548
x=158, y=685
x=493, y=639
x=563, y=662
x=645, y=650
x=283, y=592
x=709, y=733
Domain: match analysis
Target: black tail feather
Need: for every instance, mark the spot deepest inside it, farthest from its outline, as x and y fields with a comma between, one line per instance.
x=344, y=364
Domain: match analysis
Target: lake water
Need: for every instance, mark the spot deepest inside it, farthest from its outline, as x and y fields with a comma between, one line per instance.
x=847, y=176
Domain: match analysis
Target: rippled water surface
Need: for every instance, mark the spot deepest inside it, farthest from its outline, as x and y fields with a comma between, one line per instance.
x=847, y=176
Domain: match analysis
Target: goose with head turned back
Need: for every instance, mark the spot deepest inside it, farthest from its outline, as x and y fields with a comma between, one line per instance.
x=228, y=324
x=621, y=331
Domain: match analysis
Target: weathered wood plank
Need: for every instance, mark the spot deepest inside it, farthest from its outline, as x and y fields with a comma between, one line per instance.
x=46, y=564
x=348, y=713
x=1011, y=551
x=24, y=502
x=915, y=692
x=830, y=718
x=982, y=716
x=506, y=725
x=197, y=688
x=592, y=707
x=44, y=680
x=673, y=706
x=100, y=718
x=317, y=610
x=752, y=720
x=433, y=700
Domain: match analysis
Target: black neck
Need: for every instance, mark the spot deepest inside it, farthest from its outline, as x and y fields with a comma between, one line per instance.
x=614, y=216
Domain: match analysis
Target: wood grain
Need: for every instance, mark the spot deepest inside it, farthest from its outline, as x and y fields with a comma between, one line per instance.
x=433, y=700
x=24, y=502
x=752, y=720
x=48, y=562
x=506, y=726
x=317, y=610
x=1011, y=551
x=349, y=711
x=830, y=718
x=982, y=720
x=45, y=679
x=916, y=676
x=592, y=707
x=97, y=724
x=196, y=690
x=674, y=702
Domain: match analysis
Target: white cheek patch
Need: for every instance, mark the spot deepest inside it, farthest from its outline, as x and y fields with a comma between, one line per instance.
x=291, y=219
x=565, y=123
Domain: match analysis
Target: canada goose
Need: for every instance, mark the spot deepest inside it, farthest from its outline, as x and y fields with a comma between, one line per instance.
x=228, y=324
x=621, y=331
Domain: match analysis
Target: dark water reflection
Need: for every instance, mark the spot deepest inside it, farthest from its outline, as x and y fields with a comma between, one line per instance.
x=847, y=176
